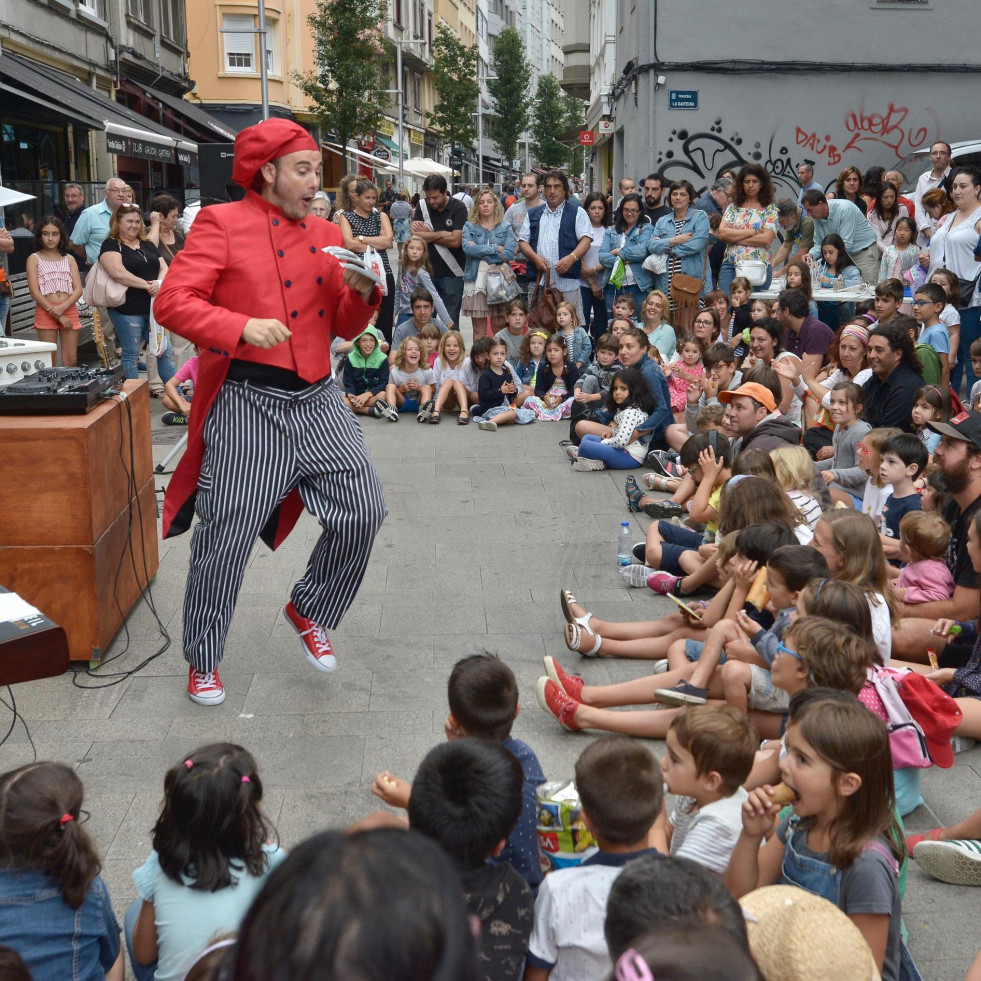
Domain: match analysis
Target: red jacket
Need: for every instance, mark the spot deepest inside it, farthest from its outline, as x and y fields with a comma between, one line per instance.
x=222, y=278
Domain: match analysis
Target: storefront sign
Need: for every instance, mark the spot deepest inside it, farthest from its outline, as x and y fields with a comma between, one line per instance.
x=381, y=152
x=130, y=147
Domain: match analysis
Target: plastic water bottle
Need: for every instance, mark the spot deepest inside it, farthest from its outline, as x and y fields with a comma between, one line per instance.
x=624, y=547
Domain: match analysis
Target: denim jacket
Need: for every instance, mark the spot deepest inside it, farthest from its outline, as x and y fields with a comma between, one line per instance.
x=484, y=247
x=58, y=943
x=633, y=250
x=580, y=346
x=691, y=253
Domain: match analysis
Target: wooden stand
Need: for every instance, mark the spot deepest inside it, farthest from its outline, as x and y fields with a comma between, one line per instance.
x=72, y=516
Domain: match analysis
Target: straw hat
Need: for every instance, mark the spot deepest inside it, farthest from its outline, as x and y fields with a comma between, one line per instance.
x=797, y=936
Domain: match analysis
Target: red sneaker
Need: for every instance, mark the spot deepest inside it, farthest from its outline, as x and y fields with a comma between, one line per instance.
x=571, y=684
x=316, y=643
x=557, y=703
x=204, y=687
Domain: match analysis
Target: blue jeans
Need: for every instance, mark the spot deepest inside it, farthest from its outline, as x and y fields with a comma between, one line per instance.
x=4, y=307
x=970, y=332
x=611, y=293
x=594, y=313
x=142, y=972
x=593, y=448
x=450, y=288
x=728, y=273
x=131, y=328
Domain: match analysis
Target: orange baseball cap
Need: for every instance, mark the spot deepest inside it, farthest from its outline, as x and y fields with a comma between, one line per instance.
x=753, y=390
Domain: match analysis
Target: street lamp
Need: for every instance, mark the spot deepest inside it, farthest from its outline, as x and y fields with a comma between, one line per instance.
x=480, y=124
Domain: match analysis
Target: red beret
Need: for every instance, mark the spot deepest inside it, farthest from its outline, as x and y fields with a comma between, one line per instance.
x=266, y=141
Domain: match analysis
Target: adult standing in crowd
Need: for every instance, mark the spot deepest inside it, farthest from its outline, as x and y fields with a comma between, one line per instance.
x=895, y=178
x=400, y=214
x=487, y=240
x=557, y=237
x=936, y=177
x=682, y=236
x=91, y=229
x=167, y=236
x=796, y=235
x=269, y=432
x=896, y=375
x=132, y=260
x=74, y=198
x=714, y=202
x=346, y=196
x=654, y=209
x=805, y=177
x=530, y=199
x=954, y=246
x=593, y=300
x=628, y=239
x=386, y=198
x=749, y=224
x=438, y=220
x=842, y=218
x=848, y=187
x=365, y=227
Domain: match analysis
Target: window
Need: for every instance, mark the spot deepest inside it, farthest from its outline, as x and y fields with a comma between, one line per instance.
x=271, y=30
x=397, y=12
x=172, y=20
x=239, y=47
x=141, y=10
x=94, y=7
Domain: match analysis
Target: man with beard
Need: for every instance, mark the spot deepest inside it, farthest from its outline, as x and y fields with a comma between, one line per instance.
x=959, y=457
x=653, y=190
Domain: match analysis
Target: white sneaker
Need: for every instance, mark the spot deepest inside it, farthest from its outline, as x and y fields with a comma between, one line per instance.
x=660, y=666
x=487, y=424
x=636, y=575
x=583, y=465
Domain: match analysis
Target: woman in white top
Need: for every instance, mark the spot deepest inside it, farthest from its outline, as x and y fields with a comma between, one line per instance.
x=954, y=245
x=593, y=303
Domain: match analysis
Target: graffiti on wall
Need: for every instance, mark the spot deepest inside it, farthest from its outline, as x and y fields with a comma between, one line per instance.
x=867, y=136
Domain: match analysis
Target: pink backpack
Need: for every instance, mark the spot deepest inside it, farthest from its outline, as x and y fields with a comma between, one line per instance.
x=906, y=738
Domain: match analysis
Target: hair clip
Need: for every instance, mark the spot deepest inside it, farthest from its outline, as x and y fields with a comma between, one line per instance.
x=65, y=818
x=633, y=967
x=821, y=586
x=188, y=764
x=246, y=779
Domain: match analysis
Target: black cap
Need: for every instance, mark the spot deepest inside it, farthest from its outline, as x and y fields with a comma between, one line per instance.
x=966, y=427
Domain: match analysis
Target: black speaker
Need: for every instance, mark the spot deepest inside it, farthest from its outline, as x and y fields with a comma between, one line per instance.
x=215, y=164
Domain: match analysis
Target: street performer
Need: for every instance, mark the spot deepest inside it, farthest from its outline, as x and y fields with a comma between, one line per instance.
x=269, y=433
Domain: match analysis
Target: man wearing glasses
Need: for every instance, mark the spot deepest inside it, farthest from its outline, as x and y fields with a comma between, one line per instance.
x=555, y=237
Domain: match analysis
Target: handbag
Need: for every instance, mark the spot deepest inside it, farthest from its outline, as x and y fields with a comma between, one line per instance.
x=544, y=302
x=752, y=269
x=502, y=285
x=965, y=291
x=101, y=290
x=374, y=262
x=618, y=273
x=657, y=264
x=686, y=297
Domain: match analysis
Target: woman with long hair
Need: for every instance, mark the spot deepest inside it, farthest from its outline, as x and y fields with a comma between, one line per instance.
x=627, y=240
x=749, y=225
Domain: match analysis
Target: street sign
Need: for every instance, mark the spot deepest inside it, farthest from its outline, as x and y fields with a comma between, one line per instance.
x=683, y=98
x=586, y=137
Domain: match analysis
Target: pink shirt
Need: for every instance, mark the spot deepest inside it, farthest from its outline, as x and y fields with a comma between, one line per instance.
x=188, y=371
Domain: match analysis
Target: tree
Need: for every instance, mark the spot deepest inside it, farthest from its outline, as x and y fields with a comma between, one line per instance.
x=509, y=93
x=549, y=121
x=344, y=86
x=455, y=82
x=575, y=113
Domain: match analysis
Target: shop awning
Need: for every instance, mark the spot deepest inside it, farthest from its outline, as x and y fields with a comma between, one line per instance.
x=390, y=144
x=384, y=166
x=127, y=132
x=194, y=113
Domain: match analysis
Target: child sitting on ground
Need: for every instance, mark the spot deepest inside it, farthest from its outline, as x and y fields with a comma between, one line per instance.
x=513, y=333
x=429, y=336
x=923, y=540
x=876, y=491
x=903, y=459
x=410, y=383
x=788, y=570
x=593, y=386
x=499, y=389
x=554, y=383
x=366, y=375
x=630, y=401
x=710, y=753
x=483, y=696
x=467, y=796
x=176, y=399
x=619, y=784
x=451, y=392
x=795, y=474
x=843, y=471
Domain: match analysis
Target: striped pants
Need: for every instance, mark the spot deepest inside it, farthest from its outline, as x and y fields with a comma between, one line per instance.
x=260, y=443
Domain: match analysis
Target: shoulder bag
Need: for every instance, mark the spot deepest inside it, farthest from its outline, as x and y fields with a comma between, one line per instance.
x=101, y=290
x=544, y=302
x=445, y=254
x=686, y=297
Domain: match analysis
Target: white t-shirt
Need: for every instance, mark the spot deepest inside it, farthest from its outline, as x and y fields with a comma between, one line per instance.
x=874, y=499
x=708, y=834
x=881, y=626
